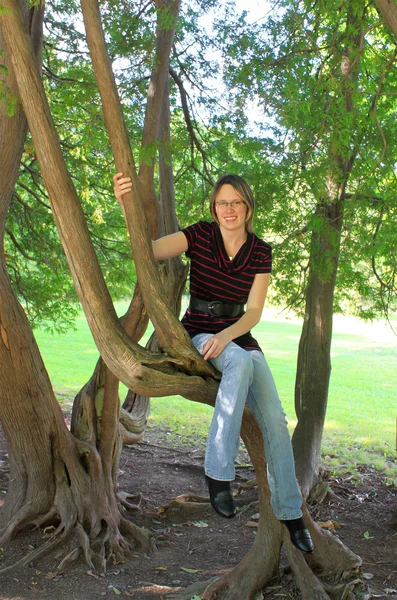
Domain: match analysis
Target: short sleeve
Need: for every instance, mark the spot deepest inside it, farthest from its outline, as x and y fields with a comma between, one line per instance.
x=191, y=236
x=264, y=257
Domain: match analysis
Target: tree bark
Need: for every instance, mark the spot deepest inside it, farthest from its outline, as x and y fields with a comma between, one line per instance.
x=314, y=355
x=17, y=347
x=83, y=492
x=149, y=374
x=388, y=10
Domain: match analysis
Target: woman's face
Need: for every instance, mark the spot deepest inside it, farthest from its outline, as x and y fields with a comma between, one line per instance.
x=230, y=208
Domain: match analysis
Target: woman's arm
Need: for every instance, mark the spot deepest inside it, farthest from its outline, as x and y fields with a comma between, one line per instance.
x=256, y=301
x=170, y=246
x=165, y=247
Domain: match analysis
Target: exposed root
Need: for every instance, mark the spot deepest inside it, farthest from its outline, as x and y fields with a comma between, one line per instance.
x=123, y=499
x=343, y=591
x=196, y=589
x=69, y=559
x=20, y=520
x=85, y=545
x=141, y=536
x=319, y=493
x=309, y=585
x=331, y=556
x=128, y=438
x=186, y=506
x=38, y=553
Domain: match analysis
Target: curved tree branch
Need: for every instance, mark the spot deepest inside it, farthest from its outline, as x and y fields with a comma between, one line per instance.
x=145, y=372
x=171, y=334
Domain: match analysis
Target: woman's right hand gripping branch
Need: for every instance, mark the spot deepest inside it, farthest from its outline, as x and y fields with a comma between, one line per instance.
x=122, y=185
x=163, y=248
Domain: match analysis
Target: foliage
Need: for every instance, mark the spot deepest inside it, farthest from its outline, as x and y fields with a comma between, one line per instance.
x=35, y=258
x=291, y=66
x=263, y=99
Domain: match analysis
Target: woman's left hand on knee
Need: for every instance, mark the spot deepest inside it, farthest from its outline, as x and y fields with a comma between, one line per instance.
x=215, y=345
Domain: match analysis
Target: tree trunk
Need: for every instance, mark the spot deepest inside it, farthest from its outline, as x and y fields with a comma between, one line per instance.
x=83, y=474
x=388, y=10
x=18, y=382
x=314, y=355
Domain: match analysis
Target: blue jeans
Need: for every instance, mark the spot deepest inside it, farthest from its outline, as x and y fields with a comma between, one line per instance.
x=246, y=377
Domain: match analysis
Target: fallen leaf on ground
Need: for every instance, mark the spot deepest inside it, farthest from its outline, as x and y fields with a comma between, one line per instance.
x=191, y=570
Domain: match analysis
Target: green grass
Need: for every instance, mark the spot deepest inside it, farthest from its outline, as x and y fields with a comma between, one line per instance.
x=361, y=416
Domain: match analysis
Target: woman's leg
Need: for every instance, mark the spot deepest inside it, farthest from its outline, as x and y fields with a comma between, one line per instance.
x=236, y=367
x=264, y=401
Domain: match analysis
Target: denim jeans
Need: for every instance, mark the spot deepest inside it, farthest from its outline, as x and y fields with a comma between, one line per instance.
x=246, y=377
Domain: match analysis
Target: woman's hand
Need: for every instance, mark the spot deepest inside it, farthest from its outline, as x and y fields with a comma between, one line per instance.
x=122, y=185
x=215, y=345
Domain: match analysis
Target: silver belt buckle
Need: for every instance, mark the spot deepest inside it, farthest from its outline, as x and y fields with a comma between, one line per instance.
x=212, y=306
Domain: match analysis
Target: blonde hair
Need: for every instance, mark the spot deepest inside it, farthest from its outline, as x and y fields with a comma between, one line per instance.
x=243, y=190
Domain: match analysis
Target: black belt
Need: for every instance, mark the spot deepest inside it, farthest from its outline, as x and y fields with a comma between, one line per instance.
x=216, y=308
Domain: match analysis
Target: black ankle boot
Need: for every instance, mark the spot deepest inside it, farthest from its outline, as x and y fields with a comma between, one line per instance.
x=221, y=497
x=299, y=534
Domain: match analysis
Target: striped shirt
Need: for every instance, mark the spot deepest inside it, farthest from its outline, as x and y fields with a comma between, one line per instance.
x=213, y=276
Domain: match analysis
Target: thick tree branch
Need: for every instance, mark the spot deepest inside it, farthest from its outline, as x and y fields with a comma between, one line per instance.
x=156, y=91
x=172, y=336
x=388, y=10
x=145, y=372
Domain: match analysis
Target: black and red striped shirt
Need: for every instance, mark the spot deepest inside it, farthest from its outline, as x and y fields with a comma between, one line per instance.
x=213, y=276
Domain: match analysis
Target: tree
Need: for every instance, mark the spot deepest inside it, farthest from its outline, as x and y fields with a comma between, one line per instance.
x=81, y=470
x=327, y=112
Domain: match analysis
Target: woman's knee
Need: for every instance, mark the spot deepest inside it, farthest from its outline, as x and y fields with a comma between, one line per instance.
x=238, y=360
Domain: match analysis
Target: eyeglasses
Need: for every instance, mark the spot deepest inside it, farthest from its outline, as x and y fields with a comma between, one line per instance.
x=235, y=204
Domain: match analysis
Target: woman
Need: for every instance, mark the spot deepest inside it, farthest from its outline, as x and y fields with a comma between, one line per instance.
x=230, y=267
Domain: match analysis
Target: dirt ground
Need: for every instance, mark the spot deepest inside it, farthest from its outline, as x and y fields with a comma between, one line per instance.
x=202, y=545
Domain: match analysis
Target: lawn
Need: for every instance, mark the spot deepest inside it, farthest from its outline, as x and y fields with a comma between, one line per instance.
x=362, y=407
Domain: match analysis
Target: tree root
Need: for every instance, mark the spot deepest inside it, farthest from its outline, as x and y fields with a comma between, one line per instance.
x=331, y=556
x=128, y=438
x=344, y=591
x=69, y=560
x=319, y=493
x=186, y=506
x=195, y=589
x=123, y=499
x=310, y=586
x=141, y=536
x=38, y=553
